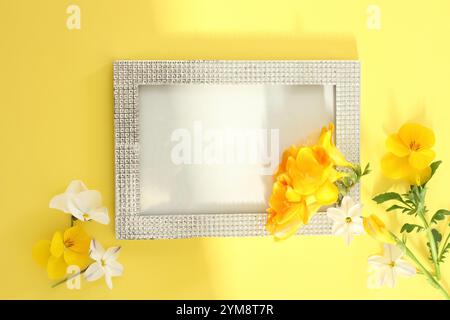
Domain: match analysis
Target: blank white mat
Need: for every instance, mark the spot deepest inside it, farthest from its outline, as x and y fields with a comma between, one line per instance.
x=297, y=111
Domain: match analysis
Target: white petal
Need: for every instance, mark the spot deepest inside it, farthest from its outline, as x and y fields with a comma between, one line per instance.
x=347, y=203
x=355, y=211
x=88, y=200
x=392, y=252
x=108, y=281
x=348, y=237
x=378, y=262
x=74, y=210
x=404, y=268
x=96, y=250
x=60, y=202
x=356, y=228
x=100, y=215
x=339, y=228
x=111, y=254
x=114, y=268
x=336, y=214
x=389, y=278
x=76, y=186
x=93, y=272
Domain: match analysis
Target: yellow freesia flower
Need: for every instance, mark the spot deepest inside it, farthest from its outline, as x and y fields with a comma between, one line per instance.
x=290, y=152
x=298, y=193
x=326, y=141
x=410, y=154
x=70, y=248
x=377, y=229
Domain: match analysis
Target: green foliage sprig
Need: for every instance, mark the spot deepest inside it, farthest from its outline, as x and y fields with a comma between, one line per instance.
x=351, y=179
x=413, y=203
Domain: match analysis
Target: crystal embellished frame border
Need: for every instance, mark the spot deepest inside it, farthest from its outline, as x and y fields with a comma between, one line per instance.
x=130, y=74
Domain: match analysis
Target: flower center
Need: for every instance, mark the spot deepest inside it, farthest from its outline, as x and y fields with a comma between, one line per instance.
x=69, y=243
x=414, y=146
x=85, y=216
x=392, y=264
x=348, y=220
x=103, y=262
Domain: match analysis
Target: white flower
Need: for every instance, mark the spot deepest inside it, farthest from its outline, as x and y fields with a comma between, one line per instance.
x=82, y=203
x=386, y=268
x=347, y=220
x=105, y=263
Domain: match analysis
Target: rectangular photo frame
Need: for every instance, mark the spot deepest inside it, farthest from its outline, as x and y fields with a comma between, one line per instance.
x=130, y=223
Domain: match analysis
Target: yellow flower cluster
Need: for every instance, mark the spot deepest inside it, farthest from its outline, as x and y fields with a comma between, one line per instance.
x=304, y=182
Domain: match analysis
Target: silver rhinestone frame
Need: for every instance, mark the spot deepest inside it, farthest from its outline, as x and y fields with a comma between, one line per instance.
x=130, y=74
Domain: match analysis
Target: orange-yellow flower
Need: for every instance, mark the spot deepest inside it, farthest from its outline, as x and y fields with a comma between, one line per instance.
x=70, y=248
x=290, y=152
x=326, y=141
x=298, y=193
x=410, y=154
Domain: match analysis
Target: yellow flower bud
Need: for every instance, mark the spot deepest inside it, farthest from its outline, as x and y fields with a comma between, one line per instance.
x=377, y=229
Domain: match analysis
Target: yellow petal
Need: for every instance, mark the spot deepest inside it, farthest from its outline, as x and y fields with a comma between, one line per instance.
x=41, y=252
x=78, y=239
x=419, y=177
x=277, y=200
x=312, y=209
x=57, y=245
x=394, y=167
x=375, y=227
x=306, y=173
x=56, y=268
x=74, y=258
x=413, y=133
x=326, y=141
x=327, y=194
x=284, y=231
x=292, y=196
x=421, y=159
x=297, y=209
x=396, y=146
x=283, y=178
x=335, y=175
x=290, y=152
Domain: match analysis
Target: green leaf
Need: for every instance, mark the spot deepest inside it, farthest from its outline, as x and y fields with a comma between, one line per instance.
x=434, y=166
x=397, y=207
x=410, y=228
x=440, y=215
x=367, y=170
x=443, y=253
x=437, y=236
x=383, y=197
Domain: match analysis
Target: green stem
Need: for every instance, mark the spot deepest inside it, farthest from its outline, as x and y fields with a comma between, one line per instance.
x=443, y=247
x=68, y=278
x=432, y=241
x=435, y=283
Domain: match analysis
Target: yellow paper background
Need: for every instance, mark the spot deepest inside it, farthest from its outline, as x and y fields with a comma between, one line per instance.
x=56, y=124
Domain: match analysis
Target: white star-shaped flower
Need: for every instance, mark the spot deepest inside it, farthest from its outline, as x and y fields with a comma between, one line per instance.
x=82, y=203
x=347, y=221
x=105, y=264
x=383, y=270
